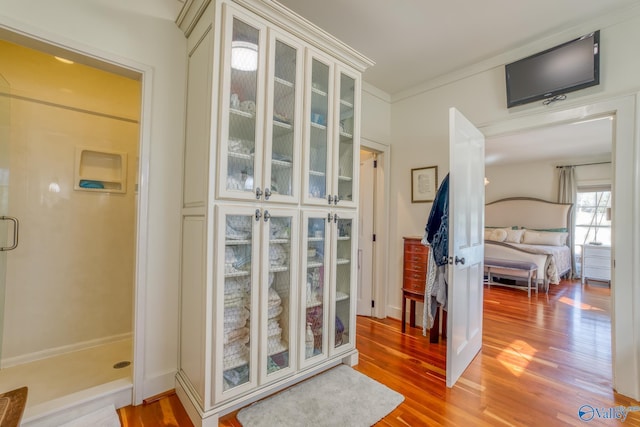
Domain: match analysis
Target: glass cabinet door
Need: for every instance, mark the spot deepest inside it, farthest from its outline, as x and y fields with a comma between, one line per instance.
x=314, y=289
x=344, y=279
x=242, y=110
x=235, y=279
x=317, y=177
x=278, y=282
x=282, y=146
x=345, y=156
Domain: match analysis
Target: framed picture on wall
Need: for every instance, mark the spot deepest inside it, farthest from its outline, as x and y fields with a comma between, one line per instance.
x=424, y=184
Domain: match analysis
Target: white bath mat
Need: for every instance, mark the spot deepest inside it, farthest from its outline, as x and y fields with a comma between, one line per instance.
x=105, y=417
x=340, y=397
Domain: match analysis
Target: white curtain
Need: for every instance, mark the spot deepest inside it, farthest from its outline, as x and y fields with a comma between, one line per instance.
x=567, y=193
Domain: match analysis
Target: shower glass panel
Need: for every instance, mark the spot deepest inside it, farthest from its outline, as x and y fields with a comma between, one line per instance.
x=5, y=116
x=66, y=290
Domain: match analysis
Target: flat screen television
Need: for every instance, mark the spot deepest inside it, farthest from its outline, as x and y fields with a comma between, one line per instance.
x=554, y=72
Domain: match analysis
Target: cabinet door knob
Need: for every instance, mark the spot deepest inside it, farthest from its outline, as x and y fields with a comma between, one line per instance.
x=329, y=217
x=336, y=199
x=267, y=193
x=266, y=216
x=258, y=193
x=258, y=214
x=329, y=198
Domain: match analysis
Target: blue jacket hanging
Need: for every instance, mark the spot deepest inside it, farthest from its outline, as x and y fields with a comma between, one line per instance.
x=437, y=229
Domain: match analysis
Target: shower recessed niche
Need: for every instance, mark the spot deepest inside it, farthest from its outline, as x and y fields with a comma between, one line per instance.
x=100, y=170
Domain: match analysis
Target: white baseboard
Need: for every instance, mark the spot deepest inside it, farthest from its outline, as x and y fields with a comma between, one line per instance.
x=159, y=384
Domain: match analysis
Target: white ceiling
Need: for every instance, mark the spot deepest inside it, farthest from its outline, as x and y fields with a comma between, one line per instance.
x=562, y=144
x=414, y=41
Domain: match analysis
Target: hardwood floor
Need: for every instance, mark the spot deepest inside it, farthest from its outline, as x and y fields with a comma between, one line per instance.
x=542, y=360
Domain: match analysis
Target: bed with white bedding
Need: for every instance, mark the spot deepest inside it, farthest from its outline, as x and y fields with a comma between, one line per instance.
x=533, y=230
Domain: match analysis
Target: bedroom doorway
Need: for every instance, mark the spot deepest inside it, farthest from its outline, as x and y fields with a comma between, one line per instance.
x=622, y=110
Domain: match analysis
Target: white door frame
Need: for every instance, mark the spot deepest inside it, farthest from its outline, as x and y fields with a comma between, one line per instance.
x=52, y=43
x=625, y=308
x=381, y=227
x=366, y=231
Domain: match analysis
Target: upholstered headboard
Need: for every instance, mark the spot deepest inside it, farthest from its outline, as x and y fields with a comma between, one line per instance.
x=527, y=212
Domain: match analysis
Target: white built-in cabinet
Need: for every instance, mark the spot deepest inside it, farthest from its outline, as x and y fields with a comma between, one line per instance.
x=267, y=292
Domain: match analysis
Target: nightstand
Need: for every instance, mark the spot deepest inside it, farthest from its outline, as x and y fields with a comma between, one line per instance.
x=596, y=263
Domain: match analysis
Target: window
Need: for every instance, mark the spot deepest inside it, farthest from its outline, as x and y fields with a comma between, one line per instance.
x=593, y=215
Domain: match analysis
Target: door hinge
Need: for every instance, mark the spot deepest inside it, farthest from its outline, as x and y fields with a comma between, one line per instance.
x=373, y=304
x=374, y=237
x=375, y=164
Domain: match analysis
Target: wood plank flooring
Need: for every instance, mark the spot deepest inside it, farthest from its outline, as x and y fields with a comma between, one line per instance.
x=542, y=361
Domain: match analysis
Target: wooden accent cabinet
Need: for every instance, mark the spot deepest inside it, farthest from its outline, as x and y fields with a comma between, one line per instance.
x=414, y=278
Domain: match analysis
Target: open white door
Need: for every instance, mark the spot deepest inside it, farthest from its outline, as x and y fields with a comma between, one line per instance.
x=365, y=235
x=466, y=244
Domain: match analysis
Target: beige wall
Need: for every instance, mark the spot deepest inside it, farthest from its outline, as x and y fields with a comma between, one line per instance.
x=538, y=179
x=154, y=46
x=376, y=115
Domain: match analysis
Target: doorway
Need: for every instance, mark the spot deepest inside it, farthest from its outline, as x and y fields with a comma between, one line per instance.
x=366, y=232
x=373, y=226
x=71, y=180
x=623, y=110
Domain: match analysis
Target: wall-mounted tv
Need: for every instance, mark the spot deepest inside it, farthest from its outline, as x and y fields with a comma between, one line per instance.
x=554, y=72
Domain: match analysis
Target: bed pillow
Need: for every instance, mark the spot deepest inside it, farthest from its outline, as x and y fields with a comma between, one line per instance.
x=561, y=229
x=495, y=234
x=544, y=238
x=514, y=236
